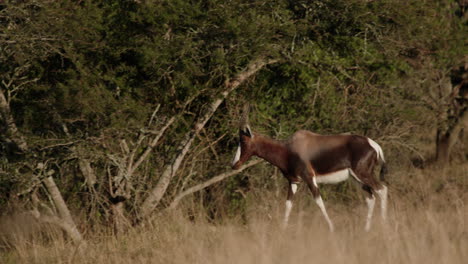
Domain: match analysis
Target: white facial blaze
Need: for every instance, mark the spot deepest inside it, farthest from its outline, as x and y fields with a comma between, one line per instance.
x=237, y=156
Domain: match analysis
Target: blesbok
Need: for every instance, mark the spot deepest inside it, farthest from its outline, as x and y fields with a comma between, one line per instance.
x=315, y=158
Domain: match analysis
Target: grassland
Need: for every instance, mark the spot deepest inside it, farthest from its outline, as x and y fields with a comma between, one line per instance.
x=427, y=224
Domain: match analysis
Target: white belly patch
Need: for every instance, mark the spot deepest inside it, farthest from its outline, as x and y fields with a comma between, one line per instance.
x=334, y=177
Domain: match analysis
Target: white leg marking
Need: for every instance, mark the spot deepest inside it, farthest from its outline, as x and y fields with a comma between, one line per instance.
x=334, y=177
x=294, y=188
x=237, y=156
x=314, y=181
x=319, y=202
x=383, y=201
x=286, y=213
x=377, y=148
x=289, y=206
x=370, y=205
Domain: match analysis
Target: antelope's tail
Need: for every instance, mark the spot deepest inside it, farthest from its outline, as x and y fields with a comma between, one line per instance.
x=383, y=171
x=380, y=157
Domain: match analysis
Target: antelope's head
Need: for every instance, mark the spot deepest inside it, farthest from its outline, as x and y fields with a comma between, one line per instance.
x=246, y=145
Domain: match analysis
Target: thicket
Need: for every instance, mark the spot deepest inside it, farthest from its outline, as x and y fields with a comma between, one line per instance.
x=123, y=105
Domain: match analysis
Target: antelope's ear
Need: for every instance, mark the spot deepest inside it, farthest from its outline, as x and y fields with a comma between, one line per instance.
x=247, y=131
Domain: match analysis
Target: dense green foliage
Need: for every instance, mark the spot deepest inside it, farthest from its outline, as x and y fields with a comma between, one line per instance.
x=83, y=80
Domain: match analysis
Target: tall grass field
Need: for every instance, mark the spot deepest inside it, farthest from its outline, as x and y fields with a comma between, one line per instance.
x=427, y=224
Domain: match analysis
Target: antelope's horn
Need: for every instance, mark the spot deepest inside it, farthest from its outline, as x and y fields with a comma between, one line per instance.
x=244, y=122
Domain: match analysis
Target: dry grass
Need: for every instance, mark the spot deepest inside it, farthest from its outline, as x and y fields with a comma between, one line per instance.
x=427, y=225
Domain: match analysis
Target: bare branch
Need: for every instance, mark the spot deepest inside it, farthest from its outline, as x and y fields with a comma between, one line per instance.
x=210, y=182
x=158, y=191
x=88, y=172
x=59, y=145
x=153, y=115
x=153, y=143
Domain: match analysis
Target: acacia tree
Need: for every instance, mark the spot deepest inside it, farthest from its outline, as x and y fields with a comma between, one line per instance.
x=453, y=114
x=439, y=72
x=23, y=43
x=116, y=66
x=133, y=101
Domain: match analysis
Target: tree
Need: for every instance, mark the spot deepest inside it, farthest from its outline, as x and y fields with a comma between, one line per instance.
x=130, y=102
x=454, y=115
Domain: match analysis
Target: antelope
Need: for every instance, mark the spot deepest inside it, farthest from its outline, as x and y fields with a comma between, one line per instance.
x=317, y=159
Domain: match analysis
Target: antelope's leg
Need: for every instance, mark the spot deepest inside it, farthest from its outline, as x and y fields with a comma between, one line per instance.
x=319, y=201
x=370, y=200
x=370, y=205
x=309, y=178
x=371, y=187
x=291, y=191
x=382, y=193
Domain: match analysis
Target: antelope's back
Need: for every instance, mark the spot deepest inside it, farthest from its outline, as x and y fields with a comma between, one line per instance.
x=327, y=153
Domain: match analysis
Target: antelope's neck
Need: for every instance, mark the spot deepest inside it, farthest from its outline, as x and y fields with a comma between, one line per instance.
x=273, y=151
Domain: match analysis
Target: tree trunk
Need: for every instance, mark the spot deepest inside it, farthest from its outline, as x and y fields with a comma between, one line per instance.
x=12, y=136
x=121, y=222
x=66, y=220
x=87, y=172
x=455, y=116
x=120, y=192
x=158, y=191
x=446, y=139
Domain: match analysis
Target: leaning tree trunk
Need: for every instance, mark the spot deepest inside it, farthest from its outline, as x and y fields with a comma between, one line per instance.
x=156, y=194
x=65, y=218
x=13, y=136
